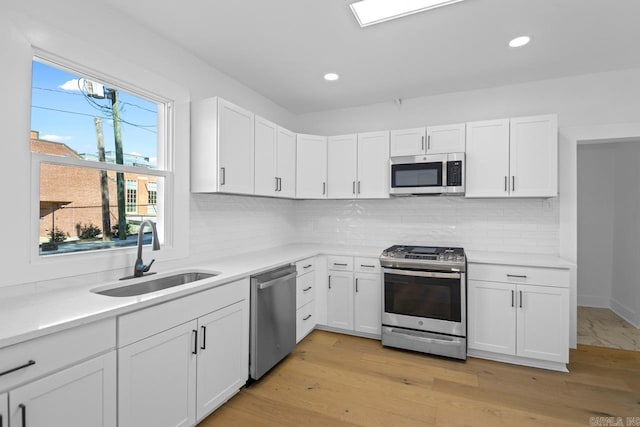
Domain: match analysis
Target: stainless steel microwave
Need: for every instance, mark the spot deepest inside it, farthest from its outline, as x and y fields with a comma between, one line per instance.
x=427, y=174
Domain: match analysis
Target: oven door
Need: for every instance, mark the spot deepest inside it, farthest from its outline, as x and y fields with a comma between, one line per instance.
x=425, y=300
x=418, y=174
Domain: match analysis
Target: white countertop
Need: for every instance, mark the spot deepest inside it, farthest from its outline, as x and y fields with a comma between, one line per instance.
x=43, y=310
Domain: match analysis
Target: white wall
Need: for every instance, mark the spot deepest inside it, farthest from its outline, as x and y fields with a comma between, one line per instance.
x=596, y=179
x=625, y=289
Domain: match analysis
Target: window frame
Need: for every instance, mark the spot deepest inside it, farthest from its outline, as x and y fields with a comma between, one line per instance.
x=164, y=168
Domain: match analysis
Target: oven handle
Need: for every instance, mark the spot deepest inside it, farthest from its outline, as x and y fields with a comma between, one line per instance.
x=435, y=274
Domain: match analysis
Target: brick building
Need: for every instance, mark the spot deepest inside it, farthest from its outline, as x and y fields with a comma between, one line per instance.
x=70, y=197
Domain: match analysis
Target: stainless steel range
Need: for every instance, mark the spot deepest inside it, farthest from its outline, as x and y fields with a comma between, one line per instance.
x=424, y=307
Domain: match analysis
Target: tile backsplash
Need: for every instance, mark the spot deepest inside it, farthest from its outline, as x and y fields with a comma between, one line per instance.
x=222, y=224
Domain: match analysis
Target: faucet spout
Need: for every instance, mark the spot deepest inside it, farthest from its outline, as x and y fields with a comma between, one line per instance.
x=140, y=268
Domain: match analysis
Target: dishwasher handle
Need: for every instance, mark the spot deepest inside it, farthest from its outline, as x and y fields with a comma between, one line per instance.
x=272, y=282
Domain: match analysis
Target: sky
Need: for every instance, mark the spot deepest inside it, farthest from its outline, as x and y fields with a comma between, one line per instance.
x=61, y=112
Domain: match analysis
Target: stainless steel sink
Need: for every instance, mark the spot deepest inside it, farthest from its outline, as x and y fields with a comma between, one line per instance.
x=153, y=285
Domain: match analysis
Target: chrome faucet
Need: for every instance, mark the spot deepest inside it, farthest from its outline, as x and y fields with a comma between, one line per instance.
x=140, y=267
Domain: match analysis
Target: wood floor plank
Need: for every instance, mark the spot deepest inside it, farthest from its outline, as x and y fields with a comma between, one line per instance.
x=339, y=380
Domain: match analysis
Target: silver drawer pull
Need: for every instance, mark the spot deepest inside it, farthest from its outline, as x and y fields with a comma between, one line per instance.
x=308, y=266
x=519, y=276
x=26, y=365
x=307, y=317
x=367, y=266
x=307, y=289
x=341, y=265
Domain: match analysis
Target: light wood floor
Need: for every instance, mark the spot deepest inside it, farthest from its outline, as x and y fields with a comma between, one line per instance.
x=604, y=328
x=338, y=380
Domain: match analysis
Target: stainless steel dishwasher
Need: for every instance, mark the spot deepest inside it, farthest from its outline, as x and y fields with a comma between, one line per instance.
x=273, y=318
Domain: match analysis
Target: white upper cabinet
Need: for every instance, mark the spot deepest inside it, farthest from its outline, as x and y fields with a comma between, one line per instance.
x=515, y=157
x=286, y=163
x=275, y=159
x=266, y=141
x=311, y=167
x=342, y=161
x=446, y=139
x=222, y=147
x=408, y=142
x=373, y=165
x=487, y=158
x=534, y=156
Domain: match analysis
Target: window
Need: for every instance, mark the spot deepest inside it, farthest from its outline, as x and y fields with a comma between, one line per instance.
x=93, y=147
x=132, y=196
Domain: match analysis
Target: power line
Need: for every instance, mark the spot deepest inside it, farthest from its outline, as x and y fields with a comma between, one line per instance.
x=141, y=127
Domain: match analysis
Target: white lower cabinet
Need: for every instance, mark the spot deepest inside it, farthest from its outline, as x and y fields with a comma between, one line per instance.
x=519, y=315
x=306, y=318
x=354, y=292
x=79, y=396
x=175, y=376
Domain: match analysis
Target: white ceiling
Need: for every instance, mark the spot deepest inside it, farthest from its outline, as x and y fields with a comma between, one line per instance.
x=282, y=48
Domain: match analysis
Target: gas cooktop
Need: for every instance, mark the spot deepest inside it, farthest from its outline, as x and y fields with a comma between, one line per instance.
x=424, y=257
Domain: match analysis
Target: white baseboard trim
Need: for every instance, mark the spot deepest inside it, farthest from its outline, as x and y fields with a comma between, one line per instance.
x=593, y=301
x=523, y=361
x=626, y=313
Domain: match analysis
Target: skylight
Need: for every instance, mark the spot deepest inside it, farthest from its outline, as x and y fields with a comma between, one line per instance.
x=369, y=12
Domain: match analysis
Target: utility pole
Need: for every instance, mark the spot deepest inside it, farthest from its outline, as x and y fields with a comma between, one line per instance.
x=112, y=94
x=104, y=184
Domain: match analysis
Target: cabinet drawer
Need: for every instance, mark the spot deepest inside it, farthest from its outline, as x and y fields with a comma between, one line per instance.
x=149, y=321
x=343, y=263
x=305, y=266
x=518, y=274
x=367, y=265
x=306, y=289
x=305, y=320
x=55, y=351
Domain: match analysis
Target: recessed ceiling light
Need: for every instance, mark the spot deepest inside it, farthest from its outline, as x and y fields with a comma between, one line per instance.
x=519, y=41
x=331, y=77
x=369, y=12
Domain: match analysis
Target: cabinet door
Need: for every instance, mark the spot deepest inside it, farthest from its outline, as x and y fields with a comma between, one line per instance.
x=223, y=359
x=286, y=163
x=80, y=396
x=157, y=379
x=408, y=142
x=340, y=300
x=446, y=139
x=492, y=317
x=265, y=155
x=534, y=156
x=543, y=322
x=311, y=167
x=368, y=303
x=487, y=158
x=4, y=410
x=342, y=160
x=305, y=320
x=373, y=165
x=235, y=148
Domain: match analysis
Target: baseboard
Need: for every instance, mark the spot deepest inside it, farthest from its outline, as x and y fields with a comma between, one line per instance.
x=593, y=301
x=348, y=332
x=625, y=312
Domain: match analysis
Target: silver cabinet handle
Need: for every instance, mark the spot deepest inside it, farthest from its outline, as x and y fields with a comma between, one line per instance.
x=339, y=264
x=367, y=266
x=17, y=368
x=506, y=183
x=513, y=183
x=204, y=337
x=276, y=183
x=354, y=187
x=279, y=184
x=23, y=410
x=423, y=143
x=356, y=284
x=223, y=177
x=519, y=276
x=428, y=142
x=513, y=296
x=307, y=289
x=324, y=188
x=358, y=187
x=307, y=317
x=308, y=266
x=329, y=282
x=195, y=341
x=520, y=299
